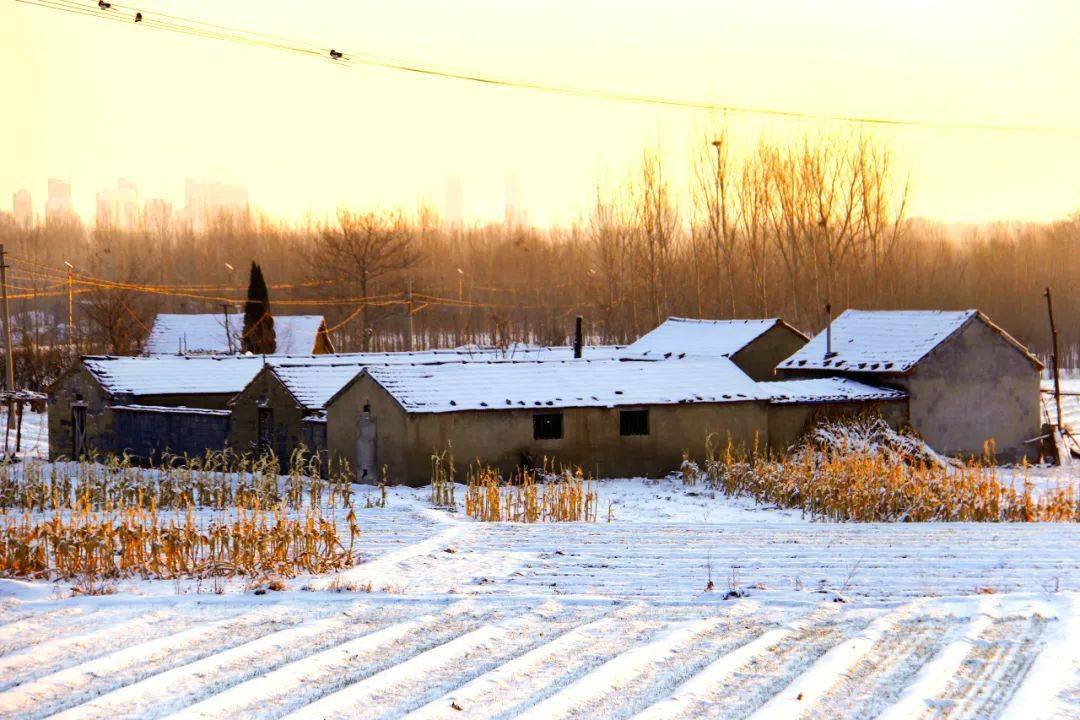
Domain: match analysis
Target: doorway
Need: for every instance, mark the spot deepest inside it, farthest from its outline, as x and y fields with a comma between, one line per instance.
x=265, y=429
x=366, y=462
x=78, y=430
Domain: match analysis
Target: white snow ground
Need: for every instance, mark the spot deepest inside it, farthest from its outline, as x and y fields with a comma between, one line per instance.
x=451, y=618
x=35, y=434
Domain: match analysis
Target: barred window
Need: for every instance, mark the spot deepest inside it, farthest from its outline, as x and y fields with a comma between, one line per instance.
x=547, y=426
x=634, y=422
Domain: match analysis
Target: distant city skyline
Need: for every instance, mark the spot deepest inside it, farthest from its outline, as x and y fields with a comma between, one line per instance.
x=123, y=206
x=305, y=137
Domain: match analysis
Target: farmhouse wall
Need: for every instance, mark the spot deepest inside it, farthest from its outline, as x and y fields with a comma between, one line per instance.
x=972, y=388
x=266, y=390
x=504, y=438
x=78, y=386
x=760, y=358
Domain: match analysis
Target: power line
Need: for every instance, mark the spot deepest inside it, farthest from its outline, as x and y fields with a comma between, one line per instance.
x=350, y=58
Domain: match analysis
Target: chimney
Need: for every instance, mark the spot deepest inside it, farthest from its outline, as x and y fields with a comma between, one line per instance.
x=828, y=331
x=577, y=337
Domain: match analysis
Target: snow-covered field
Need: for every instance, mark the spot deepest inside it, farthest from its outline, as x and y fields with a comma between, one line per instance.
x=452, y=618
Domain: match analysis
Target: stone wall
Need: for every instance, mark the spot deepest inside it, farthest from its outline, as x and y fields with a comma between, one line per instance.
x=148, y=432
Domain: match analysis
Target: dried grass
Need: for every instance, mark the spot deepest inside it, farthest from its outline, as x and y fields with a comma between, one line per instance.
x=530, y=495
x=837, y=475
x=101, y=521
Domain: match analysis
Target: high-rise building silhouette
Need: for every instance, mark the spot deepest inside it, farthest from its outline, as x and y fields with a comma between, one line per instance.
x=202, y=201
x=514, y=214
x=119, y=208
x=58, y=204
x=455, y=198
x=23, y=208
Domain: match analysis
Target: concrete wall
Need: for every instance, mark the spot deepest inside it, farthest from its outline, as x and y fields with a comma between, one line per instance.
x=790, y=420
x=146, y=434
x=974, y=387
x=503, y=438
x=343, y=416
x=760, y=358
x=289, y=431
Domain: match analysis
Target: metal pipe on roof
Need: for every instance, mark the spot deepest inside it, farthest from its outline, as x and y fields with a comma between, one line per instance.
x=578, y=340
x=828, y=331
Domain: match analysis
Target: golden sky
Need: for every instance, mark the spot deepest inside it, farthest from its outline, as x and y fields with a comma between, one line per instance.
x=93, y=101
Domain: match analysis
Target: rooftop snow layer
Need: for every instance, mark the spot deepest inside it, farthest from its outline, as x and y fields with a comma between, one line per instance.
x=483, y=353
x=886, y=341
x=205, y=333
x=820, y=390
x=314, y=385
x=174, y=375
x=590, y=383
x=677, y=337
x=315, y=379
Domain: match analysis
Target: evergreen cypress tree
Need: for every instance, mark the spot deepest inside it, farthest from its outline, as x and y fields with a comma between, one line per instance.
x=259, y=337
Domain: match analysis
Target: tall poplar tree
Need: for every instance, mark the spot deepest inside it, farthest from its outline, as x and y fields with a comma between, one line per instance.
x=259, y=337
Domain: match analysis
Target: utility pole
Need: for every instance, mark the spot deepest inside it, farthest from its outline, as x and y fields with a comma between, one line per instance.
x=461, y=306
x=9, y=382
x=409, y=311
x=1054, y=358
x=228, y=335
x=71, y=306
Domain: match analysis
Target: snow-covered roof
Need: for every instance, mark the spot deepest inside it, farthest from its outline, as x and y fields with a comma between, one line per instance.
x=174, y=375
x=313, y=380
x=205, y=333
x=560, y=352
x=296, y=334
x=510, y=385
x=821, y=390
x=686, y=337
x=314, y=385
x=883, y=341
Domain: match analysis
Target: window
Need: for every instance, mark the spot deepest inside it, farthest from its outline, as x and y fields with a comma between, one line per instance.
x=633, y=422
x=547, y=426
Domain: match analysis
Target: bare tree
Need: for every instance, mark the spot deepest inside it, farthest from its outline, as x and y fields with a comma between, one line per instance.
x=657, y=222
x=367, y=248
x=715, y=206
x=117, y=312
x=754, y=207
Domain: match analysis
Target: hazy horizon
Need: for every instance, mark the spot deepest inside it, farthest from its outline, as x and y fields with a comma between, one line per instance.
x=94, y=101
